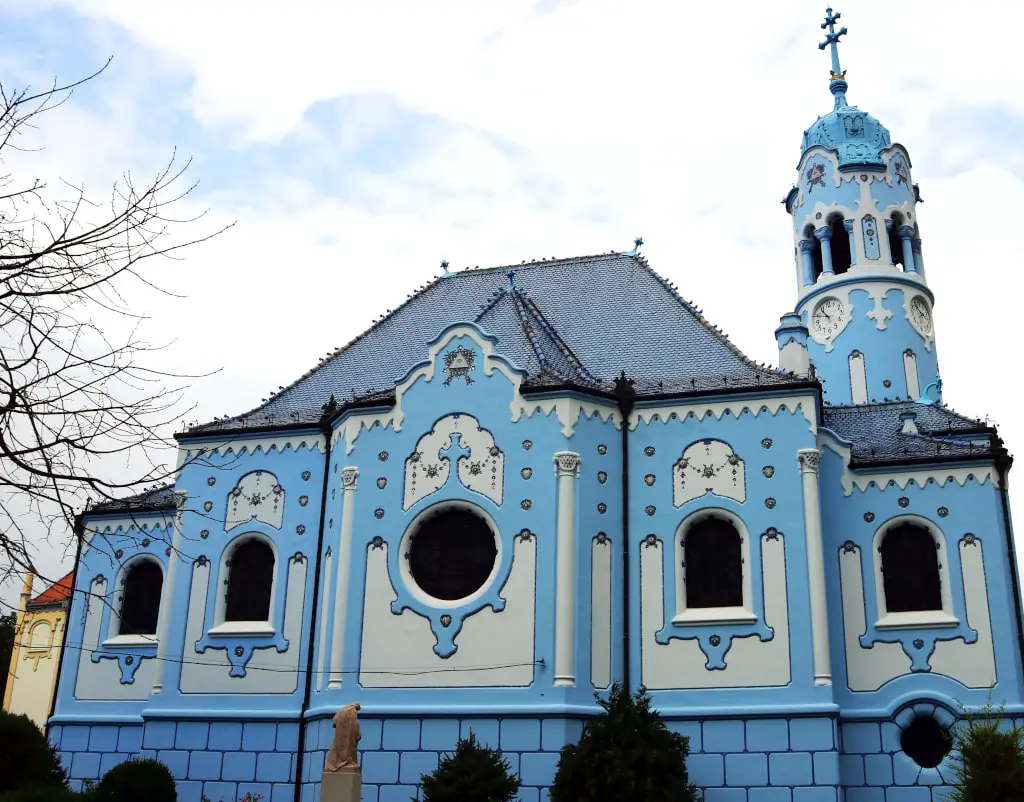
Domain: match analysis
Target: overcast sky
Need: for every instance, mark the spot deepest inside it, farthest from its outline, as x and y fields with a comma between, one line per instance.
x=357, y=144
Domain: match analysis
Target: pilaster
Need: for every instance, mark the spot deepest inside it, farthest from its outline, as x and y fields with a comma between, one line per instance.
x=809, y=459
x=349, y=481
x=567, y=466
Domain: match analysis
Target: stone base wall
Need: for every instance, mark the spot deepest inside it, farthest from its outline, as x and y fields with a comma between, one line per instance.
x=732, y=760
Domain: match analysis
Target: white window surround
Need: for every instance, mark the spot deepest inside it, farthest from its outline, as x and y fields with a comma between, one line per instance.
x=708, y=616
x=917, y=619
x=222, y=628
x=406, y=543
x=114, y=638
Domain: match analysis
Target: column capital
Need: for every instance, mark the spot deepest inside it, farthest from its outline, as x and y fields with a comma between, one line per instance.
x=823, y=233
x=567, y=463
x=809, y=459
x=348, y=478
x=807, y=245
x=848, y=225
x=906, y=232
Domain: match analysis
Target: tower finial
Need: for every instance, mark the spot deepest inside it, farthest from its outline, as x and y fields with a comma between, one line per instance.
x=837, y=76
x=444, y=266
x=511, y=273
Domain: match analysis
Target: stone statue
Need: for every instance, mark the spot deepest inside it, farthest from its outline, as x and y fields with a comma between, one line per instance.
x=342, y=756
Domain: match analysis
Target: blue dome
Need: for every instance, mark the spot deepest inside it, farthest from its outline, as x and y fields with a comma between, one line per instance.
x=856, y=136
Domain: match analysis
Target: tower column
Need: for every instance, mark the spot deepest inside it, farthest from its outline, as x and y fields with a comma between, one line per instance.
x=349, y=479
x=824, y=236
x=567, y=467
x=915, y=245
x=906, y=234
x=806, y=247
x=848, y=225
x=163, y=631
x=809, y=460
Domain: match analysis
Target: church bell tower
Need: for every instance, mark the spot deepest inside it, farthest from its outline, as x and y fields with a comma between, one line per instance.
x=863, y=304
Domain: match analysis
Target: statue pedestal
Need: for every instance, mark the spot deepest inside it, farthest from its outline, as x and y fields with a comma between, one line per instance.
x=341, y=786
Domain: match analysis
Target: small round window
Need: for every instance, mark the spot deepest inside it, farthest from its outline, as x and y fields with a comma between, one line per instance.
x=926, y=742
x=452, y=554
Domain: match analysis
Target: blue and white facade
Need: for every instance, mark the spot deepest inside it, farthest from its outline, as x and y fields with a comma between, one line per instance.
x=647, y=506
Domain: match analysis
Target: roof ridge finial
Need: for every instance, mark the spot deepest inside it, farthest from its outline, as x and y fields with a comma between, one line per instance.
x=511, y=273
x=837, y=83
x=636, y=247
x=444, y=266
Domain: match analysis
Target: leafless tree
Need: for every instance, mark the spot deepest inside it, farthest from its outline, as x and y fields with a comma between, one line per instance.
x=82, y=418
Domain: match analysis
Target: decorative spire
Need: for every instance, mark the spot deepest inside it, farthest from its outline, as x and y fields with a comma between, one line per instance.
x=511, y=273
x=444, y=266
x=838, y=77
x=636, y=247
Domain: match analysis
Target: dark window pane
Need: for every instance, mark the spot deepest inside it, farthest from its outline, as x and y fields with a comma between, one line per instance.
x=910, y=570
x=925, y=742
x=140, y=606
x=713, y=560
x=452, y=555
x=250, y=581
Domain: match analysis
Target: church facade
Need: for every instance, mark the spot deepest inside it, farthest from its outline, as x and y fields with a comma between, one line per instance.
x=525, y=485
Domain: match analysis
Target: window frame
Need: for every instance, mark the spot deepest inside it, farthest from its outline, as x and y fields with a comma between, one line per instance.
x=917, y=619
x=707, y=616
x=405, y=545
x=263, y=628
x=114, y=637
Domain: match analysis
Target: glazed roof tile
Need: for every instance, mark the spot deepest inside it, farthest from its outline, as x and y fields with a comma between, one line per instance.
x=59, y=591
x=875, y=431
x=578, y=321
x=159, y=498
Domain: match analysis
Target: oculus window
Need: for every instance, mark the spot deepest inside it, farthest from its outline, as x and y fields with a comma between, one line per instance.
x=250, y=582
x=452, y=554
x=926, y=742
x=140, y=605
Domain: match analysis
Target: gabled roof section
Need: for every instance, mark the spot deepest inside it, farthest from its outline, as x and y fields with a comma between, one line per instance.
x=887, y=433
x=59, y=592
x=602, y=315
x=160, y=497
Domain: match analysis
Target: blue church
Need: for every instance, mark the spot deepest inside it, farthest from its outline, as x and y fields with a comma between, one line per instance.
x=526, y=484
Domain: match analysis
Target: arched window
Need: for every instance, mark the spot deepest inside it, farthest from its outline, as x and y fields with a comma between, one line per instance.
x=858, y=378
x=250, y=582
x=910, y=570
x=713, y=564
x=140, y=602
x=910, y=369
x=842, y=258
x=816, y=263
x=892, y=227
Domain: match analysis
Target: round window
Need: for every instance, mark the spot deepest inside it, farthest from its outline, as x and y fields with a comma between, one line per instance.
x=926, y=742
x=452, y=554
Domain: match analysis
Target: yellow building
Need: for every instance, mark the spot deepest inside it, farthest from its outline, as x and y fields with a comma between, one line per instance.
x=37, y=643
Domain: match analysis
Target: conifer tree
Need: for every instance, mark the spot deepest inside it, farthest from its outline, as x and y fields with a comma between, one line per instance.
x=472, y=773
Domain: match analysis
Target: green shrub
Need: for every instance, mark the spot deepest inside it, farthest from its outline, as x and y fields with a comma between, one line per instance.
x=988, y=759
x=26, y=758
x=472, y=773
x=627, y=754
x=38, y=793
x=142, y=780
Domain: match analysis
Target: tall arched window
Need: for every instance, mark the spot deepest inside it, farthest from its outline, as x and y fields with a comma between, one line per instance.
x=713, y=564
x=858, y=378
x=842, y=258
x=140, y=603
x=892, y=227
x=250, y=582
x=816, y=263
x=910, y=570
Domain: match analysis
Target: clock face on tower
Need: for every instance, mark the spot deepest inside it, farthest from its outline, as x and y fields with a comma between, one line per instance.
x=828, y=317
x=921, y=316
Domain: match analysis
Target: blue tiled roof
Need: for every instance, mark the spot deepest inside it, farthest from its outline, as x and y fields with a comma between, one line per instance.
x=875, y=432
x=158, y=498
x=575, y=321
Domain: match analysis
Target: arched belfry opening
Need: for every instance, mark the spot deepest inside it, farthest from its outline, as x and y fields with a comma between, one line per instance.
x=892, y=227
x=816, y=263
x=839, y=240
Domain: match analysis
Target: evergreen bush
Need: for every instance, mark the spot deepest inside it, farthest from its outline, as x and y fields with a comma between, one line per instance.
x=137, y=780
x=26, y=757
x=627, y=754
x=472, y=773
x=37, y=793
x=988, y=759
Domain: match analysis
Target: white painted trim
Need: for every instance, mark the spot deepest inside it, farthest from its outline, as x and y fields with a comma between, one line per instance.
x=166, y=597
x=601, y=590
x=120, y=581
x=405, y=546
x=711, y=615
x=567, y=409
x=858, y=378
x=567, y=465
x=238, y=445
x=910, y=371
x=772, y=404
x=118, y=641
x=248, y=628
x=327, y=583
x=923, y=618
x=349, y=483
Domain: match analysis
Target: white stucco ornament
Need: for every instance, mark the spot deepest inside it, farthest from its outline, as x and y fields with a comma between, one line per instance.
x=258, y=496
x=708, y=466
x=459, y=438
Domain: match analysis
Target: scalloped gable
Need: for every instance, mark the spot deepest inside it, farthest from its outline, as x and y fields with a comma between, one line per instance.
x=602, y=315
